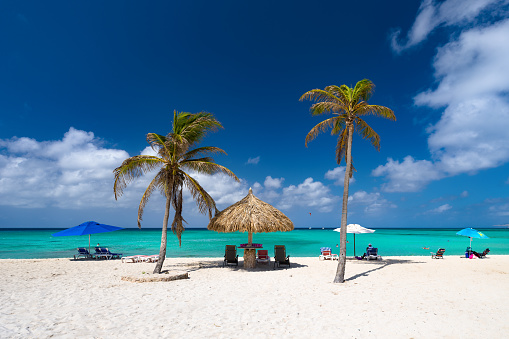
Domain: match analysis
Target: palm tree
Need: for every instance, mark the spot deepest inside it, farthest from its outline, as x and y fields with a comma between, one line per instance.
x=347, y=105
x=175, y=156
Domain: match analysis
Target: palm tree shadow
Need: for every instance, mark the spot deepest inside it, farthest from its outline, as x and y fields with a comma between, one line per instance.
x=381, y=265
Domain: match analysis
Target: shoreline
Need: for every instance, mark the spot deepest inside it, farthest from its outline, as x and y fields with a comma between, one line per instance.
x=399, y=297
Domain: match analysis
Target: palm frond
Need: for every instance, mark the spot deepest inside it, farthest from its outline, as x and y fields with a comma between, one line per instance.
x=363, y=90
x=367, y=133
x=155, y=183
x=193, y=127
x=133, y=168
x=342, y=146
x=177, y=225
x=203, y=200
x=207, y=166
x=202, y=150
x=318, y=95
x=376, y=110
x=320, y=127
x=327, y=107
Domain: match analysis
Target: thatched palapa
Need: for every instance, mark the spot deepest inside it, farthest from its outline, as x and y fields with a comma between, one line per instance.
x=250, y=215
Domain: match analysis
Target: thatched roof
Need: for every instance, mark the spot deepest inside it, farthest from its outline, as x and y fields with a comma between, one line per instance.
x=250, y=215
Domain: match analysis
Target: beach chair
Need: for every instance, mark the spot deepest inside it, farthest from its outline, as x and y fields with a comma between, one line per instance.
x=481, y=255
x=280, y=257
x=327, y=254
x=372, y=254
x=150, y=258
x=263, y=257
x=230, y=256
x=131, y=258
x=439, y=254
x=82, y=252
x=103, y=252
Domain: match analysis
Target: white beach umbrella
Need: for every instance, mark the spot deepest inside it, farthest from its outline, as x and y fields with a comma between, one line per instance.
x=355, y=229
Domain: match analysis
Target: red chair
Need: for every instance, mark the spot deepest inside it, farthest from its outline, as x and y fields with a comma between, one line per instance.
x=263, y=256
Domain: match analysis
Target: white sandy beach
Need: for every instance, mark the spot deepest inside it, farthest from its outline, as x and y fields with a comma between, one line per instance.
x=399, y=297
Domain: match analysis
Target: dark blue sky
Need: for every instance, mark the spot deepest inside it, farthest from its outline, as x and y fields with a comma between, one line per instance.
x=114, y=71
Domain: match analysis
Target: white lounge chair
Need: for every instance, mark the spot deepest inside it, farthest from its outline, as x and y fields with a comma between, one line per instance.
x=327, y=254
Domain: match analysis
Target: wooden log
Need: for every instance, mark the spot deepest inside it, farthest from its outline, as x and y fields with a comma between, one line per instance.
x=157, y=277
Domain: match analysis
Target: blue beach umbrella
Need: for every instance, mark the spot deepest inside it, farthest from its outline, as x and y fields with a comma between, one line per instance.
x=89, y=227
x=472, y=233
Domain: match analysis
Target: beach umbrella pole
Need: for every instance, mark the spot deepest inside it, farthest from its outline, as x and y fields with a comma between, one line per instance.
x=354, y=244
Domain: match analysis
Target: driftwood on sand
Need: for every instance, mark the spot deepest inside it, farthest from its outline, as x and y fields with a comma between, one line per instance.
x=157, y=277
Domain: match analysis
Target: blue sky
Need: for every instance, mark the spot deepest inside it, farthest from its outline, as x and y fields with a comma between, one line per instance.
x=84, y=82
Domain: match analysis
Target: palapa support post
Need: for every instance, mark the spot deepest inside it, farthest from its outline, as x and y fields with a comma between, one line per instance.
x=250, y=253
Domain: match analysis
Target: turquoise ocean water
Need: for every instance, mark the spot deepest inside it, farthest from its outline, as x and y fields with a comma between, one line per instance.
x=38, y=243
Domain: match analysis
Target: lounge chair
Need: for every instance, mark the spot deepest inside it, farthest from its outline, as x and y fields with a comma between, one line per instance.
x=230, y=256
x=439, y=254
x=372, y=254
x=327, y=254
x=131, y=258
x=151, y=258
x=103, y=252
x=481, y=255
x=263, y=257
x=280, y=257
x=82, y=252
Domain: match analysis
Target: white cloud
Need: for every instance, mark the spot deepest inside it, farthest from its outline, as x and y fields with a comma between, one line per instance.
x=432, y=15
x=308, y=194
x=273, y=182
x=472, y=75
x=372, y=202
x=253, y=161
x=464, y=194
x=440, y=209
x=474, y=65
x=499, y=209
x=338, y=174
x=223, y=189
x=407, y=176
x=74, y=172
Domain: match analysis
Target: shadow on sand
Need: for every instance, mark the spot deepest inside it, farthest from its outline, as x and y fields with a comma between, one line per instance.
x=194, y=266
x=376, y=265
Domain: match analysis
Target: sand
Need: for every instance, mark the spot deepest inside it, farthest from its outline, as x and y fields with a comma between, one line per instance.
x=399, y=297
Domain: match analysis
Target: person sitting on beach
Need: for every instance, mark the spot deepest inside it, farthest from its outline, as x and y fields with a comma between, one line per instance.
x=367, y=250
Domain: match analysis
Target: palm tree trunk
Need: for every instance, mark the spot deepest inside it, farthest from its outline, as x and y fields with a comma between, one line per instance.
x=162, y=250
x=340, y=272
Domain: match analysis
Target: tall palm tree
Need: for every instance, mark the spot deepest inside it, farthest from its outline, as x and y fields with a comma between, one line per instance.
x=175, y=156
x=347, y=105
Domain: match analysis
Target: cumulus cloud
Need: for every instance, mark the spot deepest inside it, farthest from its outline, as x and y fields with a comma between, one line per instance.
x=223, y=189
x=433, y=14
x=372, y=202
x=440, y=209
x=308, y=194
x=273, y=182
x=253, y=161
x=410, y=175
x=70, y=173
x=338, y=175
x=472, y=76
x=464, y=194
x=499, y=209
